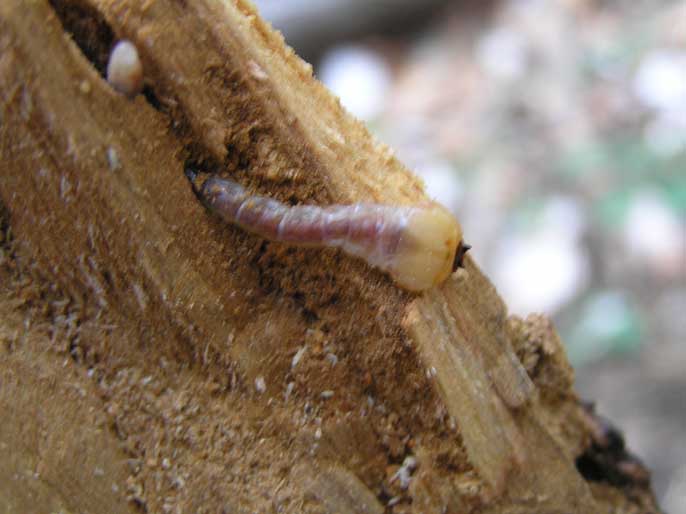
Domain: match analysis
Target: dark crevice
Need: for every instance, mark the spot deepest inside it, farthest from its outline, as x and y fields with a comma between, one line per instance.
x=89, y=30
x=151, y=98
x=139, y=503
x=5, y=233
x=75, y=351
x=607, y=459
x=107, y=277
x=9, y=267
x=310, y=316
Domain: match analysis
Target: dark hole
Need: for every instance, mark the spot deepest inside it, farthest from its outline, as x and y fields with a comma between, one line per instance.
x=151, y=98
x=309, y=315
x=107, y=277
x=4, y=226
x=88, y=29
x=590, y=468
x=596, y=466
x=607, y=458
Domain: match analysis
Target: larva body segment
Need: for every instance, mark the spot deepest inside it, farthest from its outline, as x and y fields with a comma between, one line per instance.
x=415, y=245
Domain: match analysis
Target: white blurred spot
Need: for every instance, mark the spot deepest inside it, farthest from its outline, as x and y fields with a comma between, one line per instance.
x=298, y=355
x=675, y=496
x=565, y=213
x=502, y=53
x=443, y=184
x=540, y=272
x=289, y=390
x=404, y=473
x=666, y=134
x=654, y=234
x=604, y=316
x=660, y=81
x=604, y=320
x=360, y=77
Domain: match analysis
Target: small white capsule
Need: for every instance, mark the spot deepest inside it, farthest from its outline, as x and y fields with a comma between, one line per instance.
x=124, y=69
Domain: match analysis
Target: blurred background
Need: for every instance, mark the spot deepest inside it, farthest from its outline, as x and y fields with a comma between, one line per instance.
x=556, y=132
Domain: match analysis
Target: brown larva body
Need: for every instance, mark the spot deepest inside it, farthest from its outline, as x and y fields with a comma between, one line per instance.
x=417, y=246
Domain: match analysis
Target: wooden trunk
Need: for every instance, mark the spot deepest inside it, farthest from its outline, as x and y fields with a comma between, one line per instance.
x=154, y=359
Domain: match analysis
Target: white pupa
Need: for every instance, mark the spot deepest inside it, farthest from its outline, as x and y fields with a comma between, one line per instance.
x=124, y=69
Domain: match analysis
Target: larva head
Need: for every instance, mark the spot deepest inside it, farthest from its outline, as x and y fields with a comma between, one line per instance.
x=426, y=253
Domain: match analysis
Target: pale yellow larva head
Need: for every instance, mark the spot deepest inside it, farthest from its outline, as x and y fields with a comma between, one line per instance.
x=427, y=249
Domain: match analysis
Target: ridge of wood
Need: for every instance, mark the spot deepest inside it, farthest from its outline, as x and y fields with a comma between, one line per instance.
x=197, y=365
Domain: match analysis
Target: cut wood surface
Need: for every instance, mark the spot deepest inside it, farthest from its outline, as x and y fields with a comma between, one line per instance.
x=155, y=359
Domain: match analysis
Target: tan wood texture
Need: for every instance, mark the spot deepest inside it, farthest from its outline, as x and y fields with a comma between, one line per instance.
x=153, y=358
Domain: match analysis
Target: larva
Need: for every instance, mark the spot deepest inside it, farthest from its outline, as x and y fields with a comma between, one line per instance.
x=418, y=246
x=124, y=69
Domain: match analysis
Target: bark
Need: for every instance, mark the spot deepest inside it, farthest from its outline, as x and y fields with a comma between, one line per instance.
x=155, y=359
